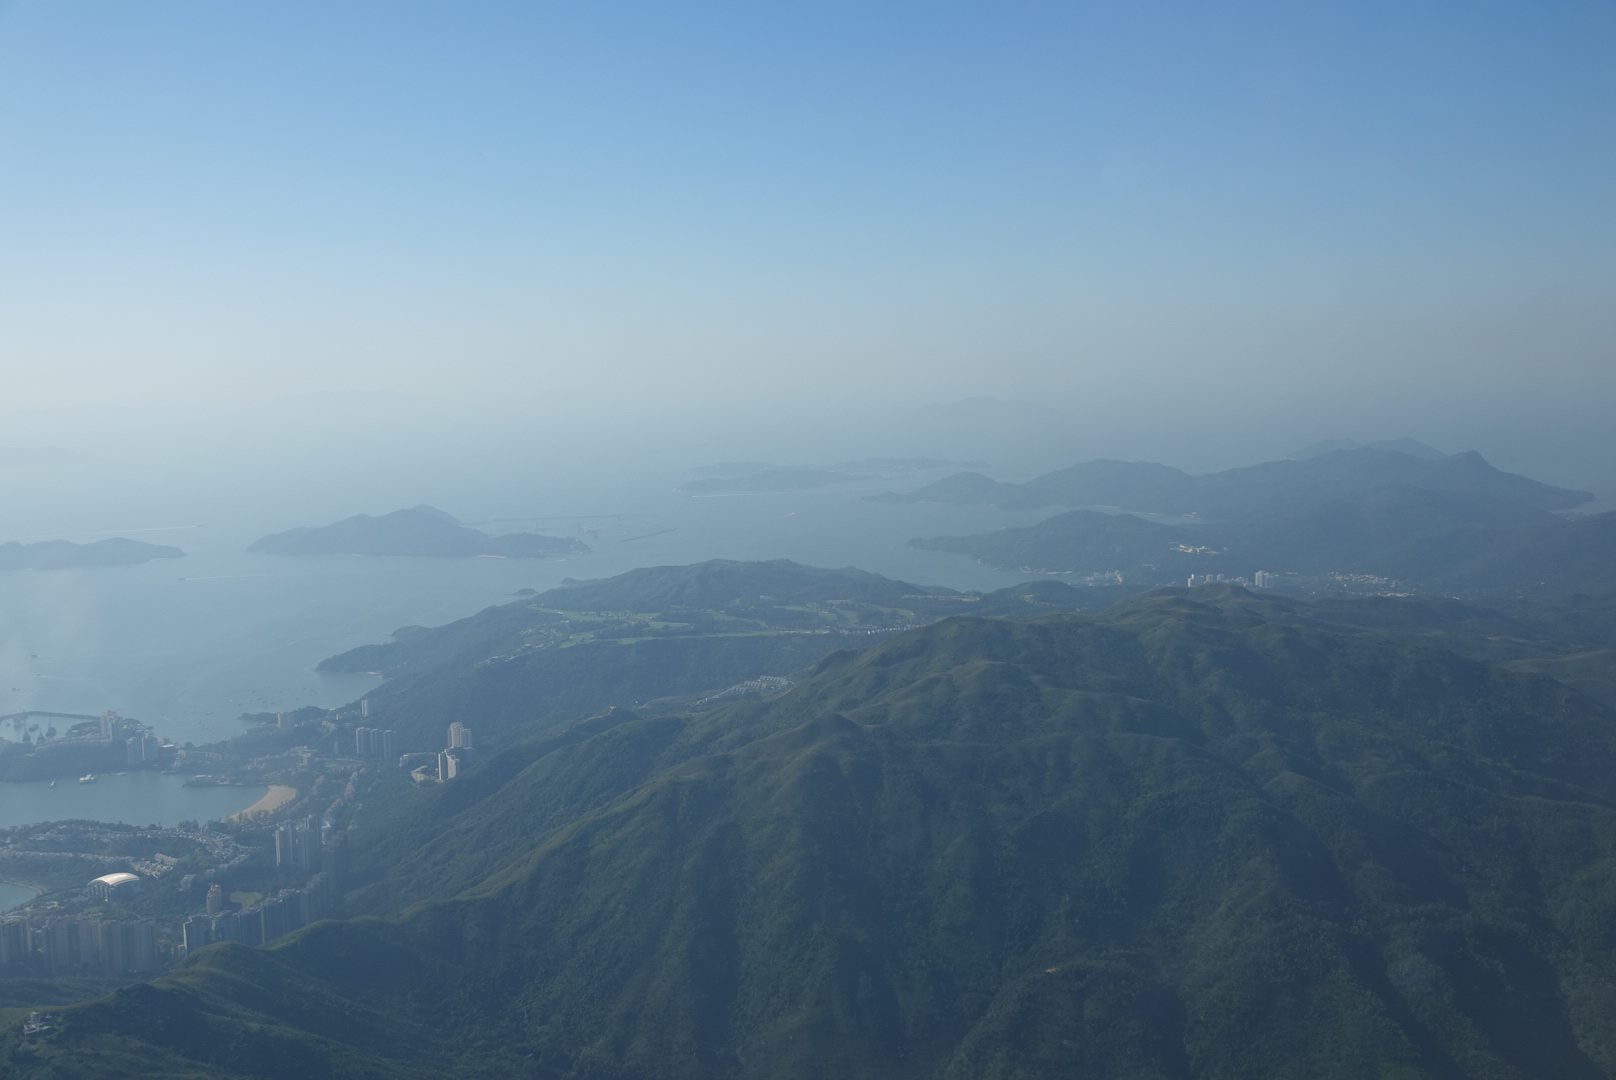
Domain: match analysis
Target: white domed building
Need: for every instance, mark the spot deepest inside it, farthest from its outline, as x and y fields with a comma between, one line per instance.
x=111, y=886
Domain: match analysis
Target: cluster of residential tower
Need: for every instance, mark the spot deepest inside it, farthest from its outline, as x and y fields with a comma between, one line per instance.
x=79, y=944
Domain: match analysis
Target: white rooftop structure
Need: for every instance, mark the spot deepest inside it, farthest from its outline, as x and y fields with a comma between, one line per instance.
x=107, y=884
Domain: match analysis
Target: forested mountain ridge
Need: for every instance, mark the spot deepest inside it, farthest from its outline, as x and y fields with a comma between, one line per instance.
x=718, y=594
x=1192, y=836
x=656, y=635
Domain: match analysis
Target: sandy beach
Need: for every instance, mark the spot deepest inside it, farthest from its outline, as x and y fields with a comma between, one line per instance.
x=276, y=797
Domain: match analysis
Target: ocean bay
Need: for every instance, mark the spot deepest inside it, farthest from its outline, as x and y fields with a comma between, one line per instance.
x=132, y=798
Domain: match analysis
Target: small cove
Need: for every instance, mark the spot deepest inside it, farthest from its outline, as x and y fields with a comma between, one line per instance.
x=133, y=798
x=13, y=895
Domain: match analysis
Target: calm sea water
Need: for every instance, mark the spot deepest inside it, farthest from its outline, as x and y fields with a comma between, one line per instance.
x=135, y=798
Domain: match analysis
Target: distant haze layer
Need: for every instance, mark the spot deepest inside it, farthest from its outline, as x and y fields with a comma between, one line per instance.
x=1158, y=218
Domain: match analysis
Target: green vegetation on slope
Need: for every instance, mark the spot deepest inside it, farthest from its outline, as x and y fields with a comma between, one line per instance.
x=658, y=637
x=1194, y=836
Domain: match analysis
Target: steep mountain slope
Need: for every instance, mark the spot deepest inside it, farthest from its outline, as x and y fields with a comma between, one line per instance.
x=650, y=634
x=1470, y=473
x=1189, y=837
x=514, y=698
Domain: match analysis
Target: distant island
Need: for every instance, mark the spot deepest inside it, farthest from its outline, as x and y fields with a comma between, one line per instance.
x=64, y=554
x=421, y=530
x=1276, y=486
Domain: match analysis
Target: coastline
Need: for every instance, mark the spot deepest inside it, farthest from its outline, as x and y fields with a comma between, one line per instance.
x=276, y=797
x=37, y=890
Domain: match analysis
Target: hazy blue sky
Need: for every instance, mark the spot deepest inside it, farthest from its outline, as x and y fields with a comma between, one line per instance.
x=1117, y=206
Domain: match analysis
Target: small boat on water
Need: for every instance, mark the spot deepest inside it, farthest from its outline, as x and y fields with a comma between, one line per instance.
x=87, y=778
x=53, y=783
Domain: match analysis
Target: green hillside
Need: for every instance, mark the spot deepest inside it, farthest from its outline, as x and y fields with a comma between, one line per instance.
x=660, y=635
x=1194, y=836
